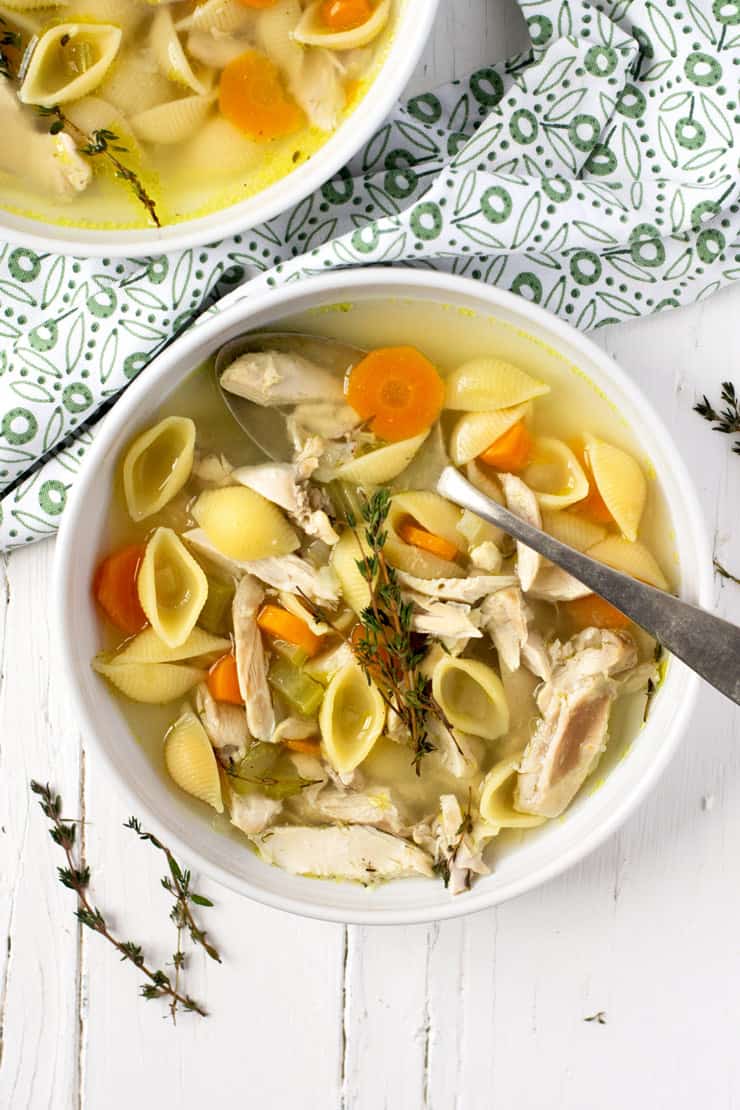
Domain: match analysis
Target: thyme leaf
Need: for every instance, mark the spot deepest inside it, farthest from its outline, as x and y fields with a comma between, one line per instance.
x=102, y=143
x=726, y=419
x=599, y=1017
x=724, y=573
x=76, y=876
x=387, y=649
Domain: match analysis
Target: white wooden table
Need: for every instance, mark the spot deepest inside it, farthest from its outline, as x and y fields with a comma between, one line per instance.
x=487, y=1011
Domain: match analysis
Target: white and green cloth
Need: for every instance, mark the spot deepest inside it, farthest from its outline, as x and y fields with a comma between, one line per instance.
x=597, y=175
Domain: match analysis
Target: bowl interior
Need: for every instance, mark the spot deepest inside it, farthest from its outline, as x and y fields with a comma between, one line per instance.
x=414, y=23
x=437, y=302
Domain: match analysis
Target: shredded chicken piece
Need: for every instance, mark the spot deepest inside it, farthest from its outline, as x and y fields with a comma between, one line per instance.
x=521, y=500
x=504, y=617
x=324, y=419
x=277, y=378
x=285, y=484
x=250, y=658
x=286, y=572
x=537, y=576
x=457, y=752
x=354, y=852
x=253, y=813
x=457, y=848
x=445, y=619
x=328, y=802
x=468, y=590
x=52, y=162
x=225, y=724
x=213, y=470
x=486, y=556
x=295, y=728
x=572, y=732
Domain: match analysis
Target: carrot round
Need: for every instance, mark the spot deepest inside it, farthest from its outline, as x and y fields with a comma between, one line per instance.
x=114, y=587
x=417, y=536
x=253, y=98
x=593, y=612
x=511, y=451
x=223, y=680
x=307, y=747
x=398, y=390
x=345, y=15
x=281, y=624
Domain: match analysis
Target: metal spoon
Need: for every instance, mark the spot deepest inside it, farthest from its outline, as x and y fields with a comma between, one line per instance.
x=705, y=643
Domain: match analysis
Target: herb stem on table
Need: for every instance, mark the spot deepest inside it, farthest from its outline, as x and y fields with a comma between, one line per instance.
x=726, y=419
x=76, y=876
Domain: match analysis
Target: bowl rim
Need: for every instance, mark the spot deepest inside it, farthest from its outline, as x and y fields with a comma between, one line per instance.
x=399, y=282
x=408, y=42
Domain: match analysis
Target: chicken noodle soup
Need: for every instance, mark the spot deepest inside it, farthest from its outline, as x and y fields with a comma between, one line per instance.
x=362, y=679
x=121, y=113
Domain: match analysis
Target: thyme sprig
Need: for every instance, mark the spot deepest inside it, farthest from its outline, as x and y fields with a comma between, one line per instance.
x=76, y=876
x=102, y=143
x=7, y=39
x=723, y=572
x=727, y=419
x=387, y=650
x=443, y=866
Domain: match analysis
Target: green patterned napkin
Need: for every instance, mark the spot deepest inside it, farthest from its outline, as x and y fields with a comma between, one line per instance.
x=596, y=175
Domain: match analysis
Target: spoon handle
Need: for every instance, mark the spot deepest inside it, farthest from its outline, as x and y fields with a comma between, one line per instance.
x=707, y=644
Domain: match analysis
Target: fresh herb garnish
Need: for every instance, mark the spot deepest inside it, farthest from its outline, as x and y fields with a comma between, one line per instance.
x=76, y=876
x=727, y=419
x=443, y=867
x=13, y=40
x=387, y=650
x=599, y=1017
x=724, y=573
x=102, y=143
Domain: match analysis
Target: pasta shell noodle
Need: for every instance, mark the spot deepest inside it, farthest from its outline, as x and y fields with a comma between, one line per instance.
x=190, y=762
x=68, y=62
x=172, y=587
x=471, y=697
x=351, y=718
x=157, y=465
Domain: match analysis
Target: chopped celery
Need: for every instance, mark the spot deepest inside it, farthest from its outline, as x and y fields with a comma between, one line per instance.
x=294, y=654
x=266, y=769
x=215, y=616
x=346, y=501
x=301, y=692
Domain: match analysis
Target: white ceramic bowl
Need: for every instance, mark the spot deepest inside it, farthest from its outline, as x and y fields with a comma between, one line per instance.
x=536, y=858
x=414, y=23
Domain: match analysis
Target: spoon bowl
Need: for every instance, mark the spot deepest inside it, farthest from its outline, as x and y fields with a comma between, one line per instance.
x=266, y=426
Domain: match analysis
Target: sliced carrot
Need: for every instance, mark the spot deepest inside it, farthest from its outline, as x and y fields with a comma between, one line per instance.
x=398, y=390
x=283, y=625
x=252, y=97
x=114, y=587
x=345, y=15
x=307, y=747
x=223, y=680
x=511, y=451
x=593, y=612
x=592, y=507
x=417, y=536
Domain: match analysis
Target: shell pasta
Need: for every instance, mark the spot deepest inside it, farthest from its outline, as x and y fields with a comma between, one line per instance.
x=325, y=654
x=250, y=91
